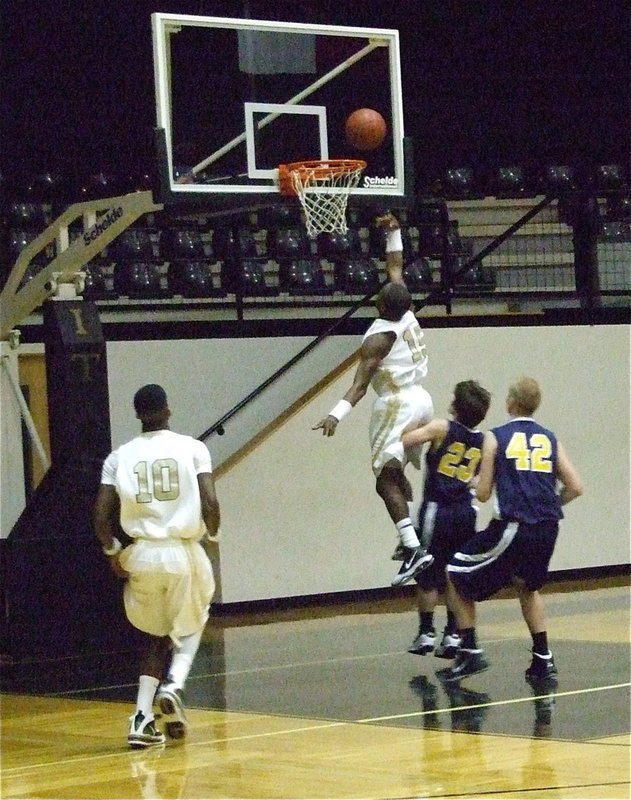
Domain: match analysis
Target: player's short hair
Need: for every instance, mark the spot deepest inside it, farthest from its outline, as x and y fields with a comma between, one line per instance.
x=525, y=395
x=395, y=300
x=150, y=399
x=471, y=403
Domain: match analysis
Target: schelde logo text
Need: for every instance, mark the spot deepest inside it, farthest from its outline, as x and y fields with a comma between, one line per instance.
x=102, y=225
x=388, y=181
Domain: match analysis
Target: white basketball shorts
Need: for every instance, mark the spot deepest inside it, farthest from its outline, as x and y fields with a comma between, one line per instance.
x=391, y=417
x=170, y=586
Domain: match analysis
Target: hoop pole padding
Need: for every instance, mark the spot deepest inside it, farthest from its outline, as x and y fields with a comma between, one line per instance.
x=292, y=102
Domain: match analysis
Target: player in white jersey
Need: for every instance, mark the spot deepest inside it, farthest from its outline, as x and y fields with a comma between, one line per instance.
x=394, y=361
x=160, y=489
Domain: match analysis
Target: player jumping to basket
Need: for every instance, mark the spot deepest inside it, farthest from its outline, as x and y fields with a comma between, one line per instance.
x=393, y=360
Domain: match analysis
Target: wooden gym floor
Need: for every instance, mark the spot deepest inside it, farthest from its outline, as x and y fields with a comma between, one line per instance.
x=327, y=703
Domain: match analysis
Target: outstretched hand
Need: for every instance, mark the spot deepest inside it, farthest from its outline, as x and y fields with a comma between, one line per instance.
x=387, y=221
x=328, y=425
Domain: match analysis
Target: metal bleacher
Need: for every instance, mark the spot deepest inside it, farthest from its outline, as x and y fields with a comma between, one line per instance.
x=534, y=264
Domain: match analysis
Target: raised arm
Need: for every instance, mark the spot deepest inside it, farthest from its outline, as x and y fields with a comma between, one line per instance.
x=394, y=246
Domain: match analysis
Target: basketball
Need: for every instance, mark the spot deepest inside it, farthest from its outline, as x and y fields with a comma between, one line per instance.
x=365, y=129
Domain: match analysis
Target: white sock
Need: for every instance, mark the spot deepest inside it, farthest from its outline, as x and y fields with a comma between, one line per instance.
x=182, y=659
x=411, y=509
x=147, y=686
x=407, y=534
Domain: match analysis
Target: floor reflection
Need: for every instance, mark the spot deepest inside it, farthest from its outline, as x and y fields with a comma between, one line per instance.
x=544, y=702
x=468, y=707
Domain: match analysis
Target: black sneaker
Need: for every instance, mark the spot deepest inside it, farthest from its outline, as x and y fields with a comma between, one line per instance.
x=415, y=560
x=143, y=731
x=542, y=668
x=169, y=698
x=468, y=662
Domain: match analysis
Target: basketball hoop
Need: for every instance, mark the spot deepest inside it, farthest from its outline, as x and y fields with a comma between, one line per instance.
x=322, y=188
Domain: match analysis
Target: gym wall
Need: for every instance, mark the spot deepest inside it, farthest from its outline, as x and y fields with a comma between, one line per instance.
x=299, y=512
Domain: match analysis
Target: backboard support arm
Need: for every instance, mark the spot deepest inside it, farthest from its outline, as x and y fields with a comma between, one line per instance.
x=19, y=299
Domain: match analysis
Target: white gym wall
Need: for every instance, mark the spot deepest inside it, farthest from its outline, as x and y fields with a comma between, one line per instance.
x=300, y=515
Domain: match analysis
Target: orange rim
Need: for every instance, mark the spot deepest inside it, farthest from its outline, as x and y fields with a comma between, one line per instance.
x=318, y=168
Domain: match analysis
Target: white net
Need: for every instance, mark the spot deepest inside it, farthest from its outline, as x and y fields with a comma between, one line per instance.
x=323, y=188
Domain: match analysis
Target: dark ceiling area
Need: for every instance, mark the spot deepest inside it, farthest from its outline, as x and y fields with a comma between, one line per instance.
x=485, y=83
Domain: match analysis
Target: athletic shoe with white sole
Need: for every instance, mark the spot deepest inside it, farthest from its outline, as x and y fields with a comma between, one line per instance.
x=143, y=731
x=449, y=645
x=423, y=644
x=169, y=699
x=468, y=662
x=416, y=559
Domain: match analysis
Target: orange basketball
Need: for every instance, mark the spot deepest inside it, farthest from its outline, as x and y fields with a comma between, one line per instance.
x=365, y=129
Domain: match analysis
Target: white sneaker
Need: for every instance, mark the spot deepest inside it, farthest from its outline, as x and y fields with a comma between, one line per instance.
x=169, y=699
x=143, y=731
x=449, y=646
x=423, y=644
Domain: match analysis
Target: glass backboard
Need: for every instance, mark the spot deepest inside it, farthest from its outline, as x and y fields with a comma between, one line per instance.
x=237, y=97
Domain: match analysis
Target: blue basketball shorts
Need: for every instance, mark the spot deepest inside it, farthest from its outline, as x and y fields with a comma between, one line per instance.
x=505, y=550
